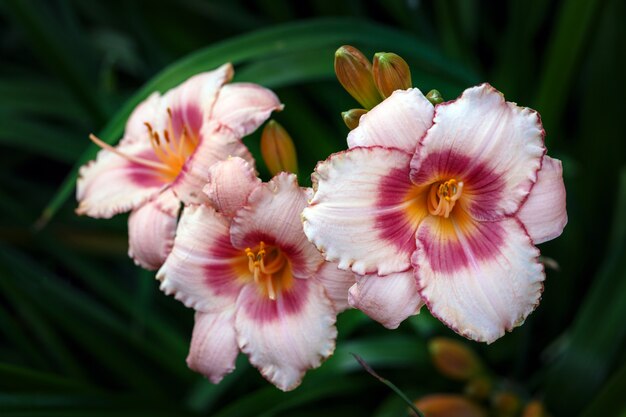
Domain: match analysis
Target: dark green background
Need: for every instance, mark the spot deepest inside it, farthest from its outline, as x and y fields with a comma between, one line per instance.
x=83, y=332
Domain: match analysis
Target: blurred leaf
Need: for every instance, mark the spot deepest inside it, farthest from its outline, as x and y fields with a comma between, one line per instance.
x=611, y=401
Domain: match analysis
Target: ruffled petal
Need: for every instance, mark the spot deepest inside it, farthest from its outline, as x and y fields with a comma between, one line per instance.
x=243, y=107
x=399, y=122
x=112, y=184
x=203, y=271
x=151, y=230
x=362, y=214
x=214, y=347
x=544, y=213
x=229, y=184
x=217, y=143
x=284, y=338
x=494, y=147
x=480, y=279
x=336, y=283
x=272, y=215
x=389, y=300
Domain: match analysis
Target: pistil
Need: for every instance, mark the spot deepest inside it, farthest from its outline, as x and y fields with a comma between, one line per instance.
x=443, y=196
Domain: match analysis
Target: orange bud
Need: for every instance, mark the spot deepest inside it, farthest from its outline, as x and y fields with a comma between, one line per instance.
x=449, y=405
x=351, y=117
x=391, y=73
x=435, y=97
x=278, y=150
x=479, y=387
x=534, y=409
x=506, y=404
x=354, y=72
x=453, y=359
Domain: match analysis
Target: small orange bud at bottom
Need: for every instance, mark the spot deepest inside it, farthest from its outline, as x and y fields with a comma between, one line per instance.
x=479, y=387
x=449, y=405
x=453, y=359
x=351, y=117
x=278, y=150
x=506, y=404
x=534, y=409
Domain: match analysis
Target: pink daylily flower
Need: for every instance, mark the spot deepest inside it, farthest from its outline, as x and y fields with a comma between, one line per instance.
x=444, y=206
x=169, y=144
x=257, y=284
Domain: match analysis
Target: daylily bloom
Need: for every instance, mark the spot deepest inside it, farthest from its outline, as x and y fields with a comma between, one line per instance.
x=441, y=205
x=169, y=144
x=257, y=284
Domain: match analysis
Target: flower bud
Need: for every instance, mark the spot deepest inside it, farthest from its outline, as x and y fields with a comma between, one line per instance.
x=351, y=117
x=449, y=405
x=435, y=97
x=534, y=409
x=479, y=387
x=354, y=72
x=453, y=359
x=278, y=150
x=390, y=73
x=506, y=404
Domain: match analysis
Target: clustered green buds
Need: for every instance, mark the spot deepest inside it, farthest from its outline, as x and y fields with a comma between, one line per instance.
x=277, y=149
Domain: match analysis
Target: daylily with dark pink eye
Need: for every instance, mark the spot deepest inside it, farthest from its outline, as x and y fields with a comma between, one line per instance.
x=257, y=284
x=169, y=144
x=441, y=205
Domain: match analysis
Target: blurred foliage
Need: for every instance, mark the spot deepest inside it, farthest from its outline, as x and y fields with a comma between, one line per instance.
x=83, y=332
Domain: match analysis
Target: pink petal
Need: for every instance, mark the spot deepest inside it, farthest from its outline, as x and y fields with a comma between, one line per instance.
x=151, y=230
x=229, y=184
x=217, y=143
x=202, y=269
x=544, y=213
x=336, y=283
x=400, y=122
x=272, y=215
x=494, y=147
x=480, y=279
x=389, y=300
x=359, y=215
x=191, y=102
x=284, y=338
x=112, y=184
x=214, y=347
x=243, y=107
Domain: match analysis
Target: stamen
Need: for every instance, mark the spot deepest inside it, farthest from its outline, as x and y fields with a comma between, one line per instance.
x=441, y=198
x=136, y=159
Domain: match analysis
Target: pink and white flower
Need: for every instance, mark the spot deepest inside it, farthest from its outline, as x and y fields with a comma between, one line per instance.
x=257, y=284
x=169, y=144
x=444, y=206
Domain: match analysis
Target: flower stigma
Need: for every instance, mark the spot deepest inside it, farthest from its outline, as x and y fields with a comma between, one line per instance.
x=442, y=197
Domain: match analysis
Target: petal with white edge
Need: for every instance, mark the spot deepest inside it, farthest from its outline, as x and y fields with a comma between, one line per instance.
x=203, y=270
x=480, y=279
x=151, y=230
x=113, y=184
x=272, y=215
x=217, y=143
x=286, y=337
x=400, y=121
x=243, y=107
x=362, y=214
x=389, y=300
x=494, y=147
x=336, y=283
x=544, y=213
x=230, y=182
x=213, y=349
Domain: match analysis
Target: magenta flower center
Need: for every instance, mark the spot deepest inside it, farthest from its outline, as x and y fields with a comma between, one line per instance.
x=442, y=197
x=270, y=268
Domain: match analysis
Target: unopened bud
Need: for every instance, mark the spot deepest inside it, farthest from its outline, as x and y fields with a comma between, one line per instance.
x=390, y=73
x=449, y=405
x=435, y=97
x=351, y=117
x=506, y=404
x=534, y=409
x=479, y=387
x=278, y=150
x=453, y=359
x=354, y=72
